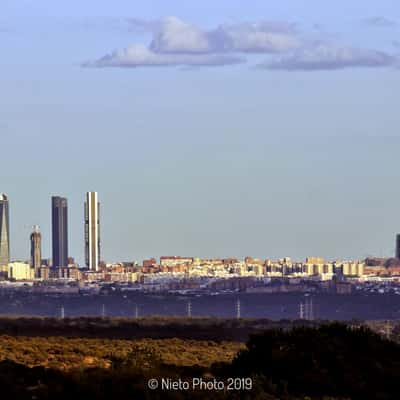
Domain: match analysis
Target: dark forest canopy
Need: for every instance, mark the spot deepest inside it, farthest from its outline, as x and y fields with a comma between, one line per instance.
x=332, y=361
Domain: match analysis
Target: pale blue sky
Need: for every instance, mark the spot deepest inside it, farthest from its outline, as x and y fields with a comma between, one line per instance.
x=292, y=152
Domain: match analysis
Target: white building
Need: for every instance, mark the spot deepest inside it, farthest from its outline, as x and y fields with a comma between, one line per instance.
x=20, y=271
x=92, y=231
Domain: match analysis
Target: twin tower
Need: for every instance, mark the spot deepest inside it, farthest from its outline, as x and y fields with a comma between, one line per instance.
x=59, y=206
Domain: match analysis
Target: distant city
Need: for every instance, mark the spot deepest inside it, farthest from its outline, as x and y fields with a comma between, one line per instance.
x=178, y=274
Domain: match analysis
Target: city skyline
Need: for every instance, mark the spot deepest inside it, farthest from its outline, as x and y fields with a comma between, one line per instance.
x=286, y=145
x=92, y=246
x=183, y=182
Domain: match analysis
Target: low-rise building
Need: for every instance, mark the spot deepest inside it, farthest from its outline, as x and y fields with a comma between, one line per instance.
x=352, y=268
x=20, y=271
x=173, y=261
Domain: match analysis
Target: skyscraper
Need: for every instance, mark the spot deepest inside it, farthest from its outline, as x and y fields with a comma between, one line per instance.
x=36, y=250
x=59, y=213
x=397, y=246
x=4, y=231
x=92, y=231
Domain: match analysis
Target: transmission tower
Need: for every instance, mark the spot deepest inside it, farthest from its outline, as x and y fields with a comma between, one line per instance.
x=301, y=311
x=238, y=310
x=311, y=309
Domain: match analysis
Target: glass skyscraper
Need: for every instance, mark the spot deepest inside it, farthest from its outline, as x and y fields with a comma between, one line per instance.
x=59, y=211
x=92, y=231
x=4, y=231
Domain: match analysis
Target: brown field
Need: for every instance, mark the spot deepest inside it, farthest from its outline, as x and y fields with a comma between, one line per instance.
x=72, y=353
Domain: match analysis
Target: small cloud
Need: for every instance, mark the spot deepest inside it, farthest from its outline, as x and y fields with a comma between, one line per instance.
x=380, y=22
x=140, y=56
x=331, y=57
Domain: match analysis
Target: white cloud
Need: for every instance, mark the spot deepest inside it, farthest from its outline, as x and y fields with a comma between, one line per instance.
x=176, y=42
x=176, y=36
x=261, y=38
x=140, y=55
x=330, y=57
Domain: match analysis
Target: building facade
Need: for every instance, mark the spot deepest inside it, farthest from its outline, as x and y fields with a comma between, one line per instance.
x=59, y=207
x=20, y=271
x=397, y=255
x=173, y=261
x=4, y=231
x=92, y=231
x=36, y=250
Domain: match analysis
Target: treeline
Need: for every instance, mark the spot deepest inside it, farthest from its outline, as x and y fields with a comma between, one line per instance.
x=329, y=362
x=151, y=327
x=332, y=360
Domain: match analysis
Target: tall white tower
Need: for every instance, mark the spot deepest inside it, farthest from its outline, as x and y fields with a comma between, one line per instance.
x=92, y=231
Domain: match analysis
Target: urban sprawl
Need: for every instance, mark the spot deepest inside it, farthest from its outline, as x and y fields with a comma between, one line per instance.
x=177, y=274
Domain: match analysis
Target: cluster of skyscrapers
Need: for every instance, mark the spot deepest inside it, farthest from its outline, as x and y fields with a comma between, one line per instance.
x=59, y=223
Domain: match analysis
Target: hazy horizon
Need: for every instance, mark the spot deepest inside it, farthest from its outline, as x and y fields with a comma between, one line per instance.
x=209, y=130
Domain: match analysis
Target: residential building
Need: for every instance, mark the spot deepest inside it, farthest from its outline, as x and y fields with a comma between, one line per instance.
x=172, y=261
x=20, y=271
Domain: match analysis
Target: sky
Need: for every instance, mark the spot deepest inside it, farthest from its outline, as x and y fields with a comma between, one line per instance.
x=209, y=129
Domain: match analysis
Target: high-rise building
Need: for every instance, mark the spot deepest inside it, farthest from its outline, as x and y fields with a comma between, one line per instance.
x=59, y=212
x=92, y=231
x=36, y=250
x=398, y=246
x=4, y=231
